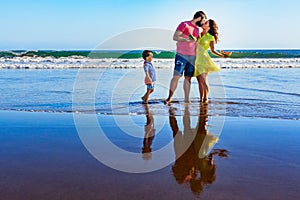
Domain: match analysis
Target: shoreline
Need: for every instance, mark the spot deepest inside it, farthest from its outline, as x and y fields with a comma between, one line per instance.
x=135, y=115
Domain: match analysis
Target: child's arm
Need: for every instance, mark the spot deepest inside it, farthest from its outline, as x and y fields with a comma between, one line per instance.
x=148, y=78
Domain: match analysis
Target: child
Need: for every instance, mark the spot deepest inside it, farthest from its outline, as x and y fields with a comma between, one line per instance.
x=150, y=77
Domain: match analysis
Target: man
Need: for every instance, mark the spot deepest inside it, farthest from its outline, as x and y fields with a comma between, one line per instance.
x=186, y=35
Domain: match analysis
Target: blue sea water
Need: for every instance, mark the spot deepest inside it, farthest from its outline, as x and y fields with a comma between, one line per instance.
x=94, y=54
x=258, y=92
x=43, y=59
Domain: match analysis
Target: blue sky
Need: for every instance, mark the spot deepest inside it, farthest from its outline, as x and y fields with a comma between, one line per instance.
x=66, y=24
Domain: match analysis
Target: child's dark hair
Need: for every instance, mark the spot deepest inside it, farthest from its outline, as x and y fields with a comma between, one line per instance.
x=146, y=53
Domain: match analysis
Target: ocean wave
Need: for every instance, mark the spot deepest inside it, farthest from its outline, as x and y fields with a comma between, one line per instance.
x=132, y=59
x=86, y=63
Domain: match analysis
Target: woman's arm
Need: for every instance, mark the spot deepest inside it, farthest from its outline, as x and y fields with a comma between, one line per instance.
x=212, y=49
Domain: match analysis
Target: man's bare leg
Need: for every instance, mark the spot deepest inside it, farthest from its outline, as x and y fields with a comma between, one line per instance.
x=173, y=86
x=187, y=88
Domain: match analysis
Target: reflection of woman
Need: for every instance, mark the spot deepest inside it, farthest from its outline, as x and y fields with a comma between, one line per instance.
x=203, y=140
x=194, y=166
x=203, y=63
x=149, y=134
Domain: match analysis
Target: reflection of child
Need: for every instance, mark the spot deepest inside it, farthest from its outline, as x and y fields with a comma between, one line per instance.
x=149, y=135
x=150, y=76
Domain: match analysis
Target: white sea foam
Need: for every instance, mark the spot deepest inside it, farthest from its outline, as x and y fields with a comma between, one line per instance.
x=79, y=62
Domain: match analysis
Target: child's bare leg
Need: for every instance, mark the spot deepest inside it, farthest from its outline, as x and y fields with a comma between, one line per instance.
x=146, y=96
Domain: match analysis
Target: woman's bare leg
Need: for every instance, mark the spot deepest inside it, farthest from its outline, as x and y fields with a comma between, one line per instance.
x=200, y=87
x=205, y=87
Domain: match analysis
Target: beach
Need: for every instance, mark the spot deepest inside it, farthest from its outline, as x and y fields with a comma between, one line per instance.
x=42, y=157
x=83, y=133
x=76, y=121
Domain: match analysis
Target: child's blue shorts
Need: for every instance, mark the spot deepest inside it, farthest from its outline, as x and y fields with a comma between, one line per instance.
x=150, y=86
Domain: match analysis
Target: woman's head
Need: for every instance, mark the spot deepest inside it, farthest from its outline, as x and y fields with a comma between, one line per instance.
x=212, y=28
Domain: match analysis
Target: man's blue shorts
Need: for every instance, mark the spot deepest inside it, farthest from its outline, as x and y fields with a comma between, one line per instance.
x=184, y=64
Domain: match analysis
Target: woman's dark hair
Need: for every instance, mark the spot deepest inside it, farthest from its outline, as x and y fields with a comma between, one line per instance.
x=146, y=53
x=213, y=29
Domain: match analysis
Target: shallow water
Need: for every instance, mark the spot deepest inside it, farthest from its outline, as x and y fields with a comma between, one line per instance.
x=267, y=93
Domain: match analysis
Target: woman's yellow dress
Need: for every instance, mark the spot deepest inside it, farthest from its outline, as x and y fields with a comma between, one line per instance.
x=204, y=63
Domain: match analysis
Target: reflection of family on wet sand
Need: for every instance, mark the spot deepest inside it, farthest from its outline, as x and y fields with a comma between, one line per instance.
x=194, y=162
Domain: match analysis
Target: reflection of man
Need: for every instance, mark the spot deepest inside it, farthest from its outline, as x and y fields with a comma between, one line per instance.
x=149, y=134
x=194, y=165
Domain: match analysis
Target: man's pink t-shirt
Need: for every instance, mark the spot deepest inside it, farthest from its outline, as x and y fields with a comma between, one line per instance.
x=187, y=48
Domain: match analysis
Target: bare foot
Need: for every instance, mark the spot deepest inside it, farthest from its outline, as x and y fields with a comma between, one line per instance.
x=205, y=101
x=144, y=101
x=187, y=101
x=167, y=102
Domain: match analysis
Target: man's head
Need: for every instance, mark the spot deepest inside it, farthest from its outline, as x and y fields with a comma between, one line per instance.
x=199, y=18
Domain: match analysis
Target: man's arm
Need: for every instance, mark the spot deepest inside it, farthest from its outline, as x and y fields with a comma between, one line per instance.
x=178, y=36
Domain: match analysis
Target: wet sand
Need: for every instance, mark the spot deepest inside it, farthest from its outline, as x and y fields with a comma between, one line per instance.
x=42, y=157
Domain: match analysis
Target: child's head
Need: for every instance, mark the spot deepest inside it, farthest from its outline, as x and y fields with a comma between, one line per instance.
x=147, y=55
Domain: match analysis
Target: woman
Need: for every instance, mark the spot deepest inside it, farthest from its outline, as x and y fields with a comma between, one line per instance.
x=204, y=64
